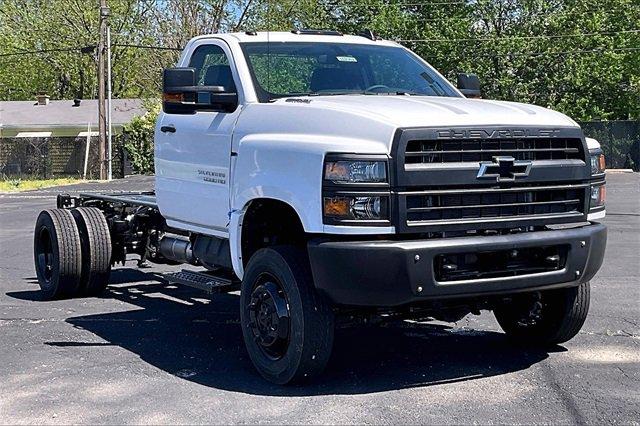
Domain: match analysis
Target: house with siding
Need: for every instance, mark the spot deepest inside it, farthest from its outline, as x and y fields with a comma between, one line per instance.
x=47, y=138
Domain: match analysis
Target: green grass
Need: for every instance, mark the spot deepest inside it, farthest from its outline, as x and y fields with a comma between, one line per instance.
x=16, y=185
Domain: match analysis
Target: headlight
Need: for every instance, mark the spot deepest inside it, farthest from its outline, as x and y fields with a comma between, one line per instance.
x=355, y=171
x=597, y=163
x=598, y=194
x=350, y=207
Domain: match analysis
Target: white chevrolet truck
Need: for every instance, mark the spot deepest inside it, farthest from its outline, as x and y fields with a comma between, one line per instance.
x=332, y=179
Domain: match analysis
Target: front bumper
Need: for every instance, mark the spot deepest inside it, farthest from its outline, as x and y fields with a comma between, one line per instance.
x=392, y=273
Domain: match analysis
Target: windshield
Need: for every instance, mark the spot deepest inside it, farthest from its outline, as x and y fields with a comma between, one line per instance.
x=299, y=69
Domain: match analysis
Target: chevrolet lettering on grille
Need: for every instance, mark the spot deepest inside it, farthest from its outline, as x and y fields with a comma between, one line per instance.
x=504, y=169
x=496, y=133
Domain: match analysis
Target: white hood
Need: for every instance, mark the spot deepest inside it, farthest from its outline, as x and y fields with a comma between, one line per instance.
x=418, y=111
x=368, y=123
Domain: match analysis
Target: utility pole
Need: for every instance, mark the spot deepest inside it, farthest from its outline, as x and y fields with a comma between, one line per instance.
x=109, y=126
x=102, y=116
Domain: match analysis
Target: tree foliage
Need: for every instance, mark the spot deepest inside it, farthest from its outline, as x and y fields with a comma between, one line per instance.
x=578, y=56
x=138, y=138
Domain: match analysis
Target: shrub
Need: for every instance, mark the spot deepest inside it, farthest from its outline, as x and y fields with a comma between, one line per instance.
x=138, y=138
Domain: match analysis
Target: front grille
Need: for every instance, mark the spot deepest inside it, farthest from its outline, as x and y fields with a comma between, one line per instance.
x=439, y=191
x=420, y=151
x=483, y=205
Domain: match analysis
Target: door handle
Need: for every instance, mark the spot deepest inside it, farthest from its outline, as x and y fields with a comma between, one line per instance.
x=168, y=129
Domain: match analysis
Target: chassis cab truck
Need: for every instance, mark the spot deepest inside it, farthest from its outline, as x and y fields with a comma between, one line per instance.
x=327, y=176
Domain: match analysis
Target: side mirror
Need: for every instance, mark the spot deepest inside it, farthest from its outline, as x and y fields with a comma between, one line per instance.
x=181, y=95
x=469, y=85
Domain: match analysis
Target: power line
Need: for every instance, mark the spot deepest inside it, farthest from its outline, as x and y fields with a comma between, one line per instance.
x=80, y=48
x=453, y=3
x=577, y=52
x=33, y=52
x=552, y=36
x=522, y=15
x=566, y=52
x=143, y=46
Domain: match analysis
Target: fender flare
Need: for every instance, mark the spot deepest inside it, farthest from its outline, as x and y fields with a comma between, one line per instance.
x=236, y=220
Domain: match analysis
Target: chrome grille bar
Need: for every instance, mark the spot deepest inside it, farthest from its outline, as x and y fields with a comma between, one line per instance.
x=493, y=204
x=474, y=150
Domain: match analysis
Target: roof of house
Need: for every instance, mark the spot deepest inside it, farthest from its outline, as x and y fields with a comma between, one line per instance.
x=61, y=117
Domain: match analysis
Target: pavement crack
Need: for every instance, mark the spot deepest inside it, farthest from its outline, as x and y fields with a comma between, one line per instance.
x=567, y=398
x=609, y=333
x=634, y=323
x=624, y=373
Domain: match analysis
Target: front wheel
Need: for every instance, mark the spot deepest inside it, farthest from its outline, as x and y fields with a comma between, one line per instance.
x=545, y=318
x=287, y=326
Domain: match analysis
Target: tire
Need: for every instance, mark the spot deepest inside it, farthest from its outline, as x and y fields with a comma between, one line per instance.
x=560, y=316
x=95, y=240
x=57, y=254
x=278, y=280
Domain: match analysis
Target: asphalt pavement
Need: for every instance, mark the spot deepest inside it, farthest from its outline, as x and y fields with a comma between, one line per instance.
x=145, y=352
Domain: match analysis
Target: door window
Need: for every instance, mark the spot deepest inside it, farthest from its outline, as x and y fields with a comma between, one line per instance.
x=212, y=67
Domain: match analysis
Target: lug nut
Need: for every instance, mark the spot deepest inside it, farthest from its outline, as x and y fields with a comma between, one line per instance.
x=583, y=243
x=577, y=274
x=419, y=289
x=416, y=258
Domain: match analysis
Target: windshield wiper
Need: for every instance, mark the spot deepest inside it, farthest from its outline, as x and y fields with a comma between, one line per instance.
x=293, y=95
x=392, y=93
x=353, y=92
x=350, y=92
x=434, y=85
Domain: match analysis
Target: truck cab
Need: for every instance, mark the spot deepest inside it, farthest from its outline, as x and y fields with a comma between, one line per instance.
x=335, y=176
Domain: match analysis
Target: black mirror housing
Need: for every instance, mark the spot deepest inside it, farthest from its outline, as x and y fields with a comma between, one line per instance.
x=181, y=95
x=469, y=85
x=174, y=78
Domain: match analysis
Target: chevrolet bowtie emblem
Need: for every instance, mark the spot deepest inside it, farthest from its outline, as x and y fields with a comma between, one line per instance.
x=504, y=169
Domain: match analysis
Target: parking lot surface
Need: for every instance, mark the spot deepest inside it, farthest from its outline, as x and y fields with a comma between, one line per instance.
x=145, y=352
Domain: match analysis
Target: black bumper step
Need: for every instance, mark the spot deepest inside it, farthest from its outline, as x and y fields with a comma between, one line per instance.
x=205, y=281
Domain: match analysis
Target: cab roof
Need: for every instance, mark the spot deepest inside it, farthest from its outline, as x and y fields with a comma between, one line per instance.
x=288, y=36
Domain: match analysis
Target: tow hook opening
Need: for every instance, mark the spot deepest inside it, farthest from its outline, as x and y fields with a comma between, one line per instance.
x=499, y=263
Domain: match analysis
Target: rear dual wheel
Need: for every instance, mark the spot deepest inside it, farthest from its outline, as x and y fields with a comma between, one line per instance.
x=72, y=252
x=57, y=254
x=95, y=241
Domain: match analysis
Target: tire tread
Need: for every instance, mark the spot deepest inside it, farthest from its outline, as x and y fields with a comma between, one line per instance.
x=96, y=249
x=317, y=328
x=565, y=318
x=66, y=237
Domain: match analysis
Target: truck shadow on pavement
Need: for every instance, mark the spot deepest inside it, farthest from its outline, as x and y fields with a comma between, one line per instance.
x=179, y=331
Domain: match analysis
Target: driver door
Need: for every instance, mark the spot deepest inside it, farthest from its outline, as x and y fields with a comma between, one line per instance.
x=193, y=156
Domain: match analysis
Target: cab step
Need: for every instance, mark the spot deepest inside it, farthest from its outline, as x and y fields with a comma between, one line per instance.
x=205, y=281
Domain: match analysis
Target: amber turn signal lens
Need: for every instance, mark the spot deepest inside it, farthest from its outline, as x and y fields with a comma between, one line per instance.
x=336, y=207
x=602, y=164
x=598, y=165
x=173, y=97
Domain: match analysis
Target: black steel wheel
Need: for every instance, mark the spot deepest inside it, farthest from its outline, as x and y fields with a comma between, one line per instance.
x=269, y=317
x=287, y=326
x=57, y=254
x=545, y=318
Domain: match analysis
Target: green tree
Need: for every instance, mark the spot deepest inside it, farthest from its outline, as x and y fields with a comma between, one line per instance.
x=138, y=138
x=578, y=56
